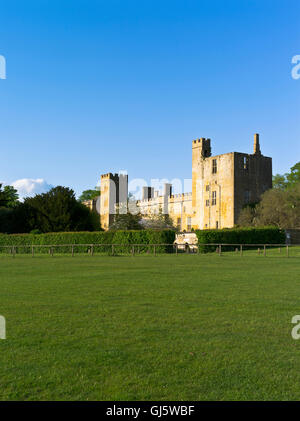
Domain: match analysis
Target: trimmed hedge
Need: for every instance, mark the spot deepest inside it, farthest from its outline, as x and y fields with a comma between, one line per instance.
x=102, y=238
x=146, y=237
x=269, y=235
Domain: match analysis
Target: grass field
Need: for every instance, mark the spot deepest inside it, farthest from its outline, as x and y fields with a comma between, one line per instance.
x=183, y=327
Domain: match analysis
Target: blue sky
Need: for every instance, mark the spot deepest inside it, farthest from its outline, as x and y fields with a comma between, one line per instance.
x=99, y=86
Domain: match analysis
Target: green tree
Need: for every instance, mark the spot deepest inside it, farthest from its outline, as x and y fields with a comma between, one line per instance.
x=158, y=221
x=248, y=216
x=3, y=198
x=126, y=221
x=280, y=208
x=279, y=182
x=9, y=197
x=293, y=178
x=287, y=180
x=56, y=210
x=89, y=194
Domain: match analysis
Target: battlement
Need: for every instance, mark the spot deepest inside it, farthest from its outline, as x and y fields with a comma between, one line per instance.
x=181, y=195
x=199, y=140
x=204, y=145
x=110, y=176
x=178, y=196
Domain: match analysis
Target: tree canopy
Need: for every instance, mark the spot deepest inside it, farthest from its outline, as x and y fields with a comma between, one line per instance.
x=89, y=194
x=9, y=197
x=56, y=210
x=278, y=207
x=158, y=221
x=288, y=180
x=126, y=221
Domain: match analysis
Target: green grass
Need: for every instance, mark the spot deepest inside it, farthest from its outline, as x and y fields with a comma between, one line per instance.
x=183, y=327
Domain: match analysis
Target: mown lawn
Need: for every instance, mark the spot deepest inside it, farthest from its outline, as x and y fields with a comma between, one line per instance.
x=183, y=327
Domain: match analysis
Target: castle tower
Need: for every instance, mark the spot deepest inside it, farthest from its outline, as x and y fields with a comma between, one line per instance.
x=201, y=150
x=256, y=150
x=252, y=177
x=114, y=193
x=222, y=185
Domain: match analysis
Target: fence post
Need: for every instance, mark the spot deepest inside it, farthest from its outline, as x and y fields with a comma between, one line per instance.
x=154, y=250
x=32, y=251
x=241, y=249
x=176, y=246
x=112, y=250
x=132, y=250
x=220, y=249
x=72, y=251
x=265, y=251
x=287, y=251
x=52, y=252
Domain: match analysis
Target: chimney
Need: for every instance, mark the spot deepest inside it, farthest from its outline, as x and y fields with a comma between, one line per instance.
x=167, y=190
x=256, y=145
x=147, y=193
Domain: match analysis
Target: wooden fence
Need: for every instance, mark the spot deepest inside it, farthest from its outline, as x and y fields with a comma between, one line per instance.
x=133, y=249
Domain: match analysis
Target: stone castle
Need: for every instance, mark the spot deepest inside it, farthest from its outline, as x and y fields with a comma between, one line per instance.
x=221, y=186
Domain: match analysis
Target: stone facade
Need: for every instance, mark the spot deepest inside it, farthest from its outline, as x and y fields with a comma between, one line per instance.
x=221, y=186
x=91, y=204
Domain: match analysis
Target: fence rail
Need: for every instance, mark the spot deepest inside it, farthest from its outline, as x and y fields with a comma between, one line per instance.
x=114, y=249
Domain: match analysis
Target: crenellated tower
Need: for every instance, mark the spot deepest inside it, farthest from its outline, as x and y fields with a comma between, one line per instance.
x=114, y=193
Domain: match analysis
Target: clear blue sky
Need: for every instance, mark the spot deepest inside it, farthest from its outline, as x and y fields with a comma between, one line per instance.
x=98, y=86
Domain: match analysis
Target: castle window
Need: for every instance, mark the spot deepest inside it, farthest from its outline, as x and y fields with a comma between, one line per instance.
x=207, y=203
x=246, y=163
x=179, y=223
x=214, y=166
x=247, y=196
x=189, y=223
x=207, y=187
x=214, y=198
x=217, y=225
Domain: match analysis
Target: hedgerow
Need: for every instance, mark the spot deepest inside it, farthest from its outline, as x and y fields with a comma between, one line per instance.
x=101, y=241
x=268, y=235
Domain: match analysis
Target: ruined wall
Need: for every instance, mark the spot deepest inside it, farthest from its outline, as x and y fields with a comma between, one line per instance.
x=212, y=187
x=252, y=177
x=91, y=204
